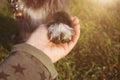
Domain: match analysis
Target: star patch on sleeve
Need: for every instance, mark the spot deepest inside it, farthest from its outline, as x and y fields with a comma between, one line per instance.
x=3, y=76
x=19, y=69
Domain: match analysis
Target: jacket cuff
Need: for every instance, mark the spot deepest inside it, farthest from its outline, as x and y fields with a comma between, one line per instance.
x=46, y=61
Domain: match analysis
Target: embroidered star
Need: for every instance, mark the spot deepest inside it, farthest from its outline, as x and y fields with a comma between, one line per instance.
x=42, y=75
x=19, y=69
x=3, y=75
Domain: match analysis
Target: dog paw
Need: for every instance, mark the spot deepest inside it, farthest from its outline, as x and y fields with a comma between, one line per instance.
x=60, y=33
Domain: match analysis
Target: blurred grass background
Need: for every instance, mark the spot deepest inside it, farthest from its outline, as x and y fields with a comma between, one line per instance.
x=97, y=53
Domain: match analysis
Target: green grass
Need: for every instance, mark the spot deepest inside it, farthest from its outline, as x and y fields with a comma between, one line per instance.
x=97, y=53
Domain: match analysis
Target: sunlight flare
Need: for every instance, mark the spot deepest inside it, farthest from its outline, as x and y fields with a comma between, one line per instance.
x=105, y=1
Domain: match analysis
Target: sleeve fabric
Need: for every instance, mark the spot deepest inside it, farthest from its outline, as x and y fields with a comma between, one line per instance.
x=27, y=63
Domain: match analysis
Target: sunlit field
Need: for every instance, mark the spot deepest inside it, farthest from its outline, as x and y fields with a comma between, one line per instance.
x=97, y=53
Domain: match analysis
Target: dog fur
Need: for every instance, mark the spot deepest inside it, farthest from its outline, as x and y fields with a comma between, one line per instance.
x=31, y=13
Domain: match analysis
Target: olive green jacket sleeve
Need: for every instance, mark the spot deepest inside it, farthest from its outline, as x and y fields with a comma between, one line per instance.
x=27, y=63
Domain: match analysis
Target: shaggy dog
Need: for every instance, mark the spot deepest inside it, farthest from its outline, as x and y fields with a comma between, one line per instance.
x=31, y=13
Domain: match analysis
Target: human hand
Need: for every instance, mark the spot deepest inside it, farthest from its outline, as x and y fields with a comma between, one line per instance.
x=40, y=40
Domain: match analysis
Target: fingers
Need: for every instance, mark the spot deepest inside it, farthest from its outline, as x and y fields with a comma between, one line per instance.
x=76, y=27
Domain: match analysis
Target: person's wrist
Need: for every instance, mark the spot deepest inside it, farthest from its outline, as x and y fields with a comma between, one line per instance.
x=41, y=48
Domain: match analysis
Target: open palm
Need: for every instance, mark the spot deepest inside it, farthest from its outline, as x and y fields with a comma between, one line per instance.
x=40, y=40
